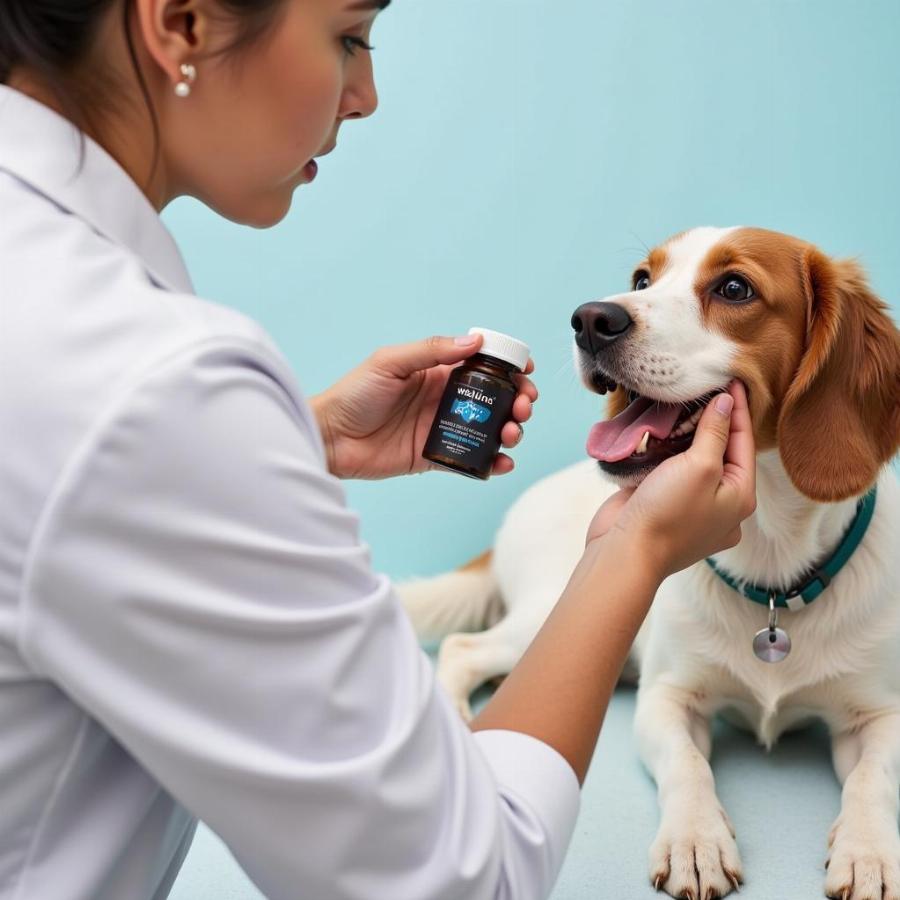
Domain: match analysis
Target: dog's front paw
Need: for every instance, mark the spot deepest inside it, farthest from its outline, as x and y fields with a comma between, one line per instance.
x=695, y=854
x=864, y=859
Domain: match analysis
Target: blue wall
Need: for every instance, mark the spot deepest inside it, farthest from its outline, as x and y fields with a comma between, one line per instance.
x=522, y=154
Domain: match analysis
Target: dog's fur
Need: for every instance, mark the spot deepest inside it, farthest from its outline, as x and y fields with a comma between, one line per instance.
x=821, y=360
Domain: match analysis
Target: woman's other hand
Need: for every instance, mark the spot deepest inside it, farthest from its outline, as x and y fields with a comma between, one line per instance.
x=693, y=504
x=375, y=420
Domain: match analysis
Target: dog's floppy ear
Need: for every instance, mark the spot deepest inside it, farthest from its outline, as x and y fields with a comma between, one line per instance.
x=840, y=418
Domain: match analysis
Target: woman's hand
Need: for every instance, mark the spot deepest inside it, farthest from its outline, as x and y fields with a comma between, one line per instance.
x=693, y=504
x=376, y=419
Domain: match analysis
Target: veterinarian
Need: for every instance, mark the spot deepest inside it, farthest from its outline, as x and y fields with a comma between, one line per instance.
x=189, y=623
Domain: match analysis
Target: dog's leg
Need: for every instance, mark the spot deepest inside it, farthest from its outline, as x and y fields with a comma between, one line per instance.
x=694, y=854
x=864, y=857
x=466, y=599
x=466, y=661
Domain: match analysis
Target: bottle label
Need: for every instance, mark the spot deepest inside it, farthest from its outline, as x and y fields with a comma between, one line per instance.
x=469, y=411
x=467, y=426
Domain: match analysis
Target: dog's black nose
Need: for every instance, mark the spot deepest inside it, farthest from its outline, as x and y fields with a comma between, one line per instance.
x=597, y=325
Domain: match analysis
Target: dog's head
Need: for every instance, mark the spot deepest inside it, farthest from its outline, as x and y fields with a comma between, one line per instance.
x=816, y=349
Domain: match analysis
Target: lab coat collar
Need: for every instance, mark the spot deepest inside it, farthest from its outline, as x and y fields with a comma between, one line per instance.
x=40, y=147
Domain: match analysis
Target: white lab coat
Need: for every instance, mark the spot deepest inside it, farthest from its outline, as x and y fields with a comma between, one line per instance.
x=189, y=622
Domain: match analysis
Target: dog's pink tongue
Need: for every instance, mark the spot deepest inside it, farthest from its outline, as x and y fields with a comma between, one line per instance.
x=616, y=439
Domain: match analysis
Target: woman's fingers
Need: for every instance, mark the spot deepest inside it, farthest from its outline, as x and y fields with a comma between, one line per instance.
x=502, y=465
x=740, y=454
x=511, y=434
x=525, y=385
x=712, y=432
x=521, y=408
x=401, y=360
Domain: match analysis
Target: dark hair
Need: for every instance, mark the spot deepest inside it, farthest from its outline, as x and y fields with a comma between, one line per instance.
x=52, y=39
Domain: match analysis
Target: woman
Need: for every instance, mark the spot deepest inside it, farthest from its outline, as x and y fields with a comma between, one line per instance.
x=189, y=623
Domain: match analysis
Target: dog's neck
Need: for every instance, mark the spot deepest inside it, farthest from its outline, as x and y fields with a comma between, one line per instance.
x=788, y=533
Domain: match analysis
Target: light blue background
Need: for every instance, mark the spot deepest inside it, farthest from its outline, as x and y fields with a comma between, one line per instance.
x=522, y=155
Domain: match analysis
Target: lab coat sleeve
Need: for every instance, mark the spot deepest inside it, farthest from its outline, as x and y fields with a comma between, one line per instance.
x=197, y=584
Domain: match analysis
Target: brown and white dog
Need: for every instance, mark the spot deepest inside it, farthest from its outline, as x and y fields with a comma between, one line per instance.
x=821, y=361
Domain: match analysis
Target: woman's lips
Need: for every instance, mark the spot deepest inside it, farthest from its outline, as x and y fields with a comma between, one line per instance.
x=310, y=170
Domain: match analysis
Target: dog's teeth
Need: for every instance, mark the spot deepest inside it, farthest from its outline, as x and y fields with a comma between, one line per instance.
x=689, y=424
x=642, y=446
x=685, y=428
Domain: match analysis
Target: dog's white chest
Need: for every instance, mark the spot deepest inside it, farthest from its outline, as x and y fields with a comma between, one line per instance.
x=768, y=722
x=766, y=702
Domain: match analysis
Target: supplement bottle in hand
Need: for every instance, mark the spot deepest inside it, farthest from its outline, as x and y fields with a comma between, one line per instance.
x=477, y=403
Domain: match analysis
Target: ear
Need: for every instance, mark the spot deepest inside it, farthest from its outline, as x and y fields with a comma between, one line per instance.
x=840, y=418
x=173, y=31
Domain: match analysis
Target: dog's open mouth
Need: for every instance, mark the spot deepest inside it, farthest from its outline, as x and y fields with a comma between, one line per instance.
x=645, y=433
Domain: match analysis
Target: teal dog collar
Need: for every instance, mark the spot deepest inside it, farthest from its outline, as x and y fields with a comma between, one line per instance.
x=820, y=577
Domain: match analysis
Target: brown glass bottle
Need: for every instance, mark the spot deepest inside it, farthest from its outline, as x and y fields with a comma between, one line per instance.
x=476, y=404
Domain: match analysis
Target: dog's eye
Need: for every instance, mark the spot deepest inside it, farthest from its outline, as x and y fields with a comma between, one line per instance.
x=735, y=289
x=641, y=281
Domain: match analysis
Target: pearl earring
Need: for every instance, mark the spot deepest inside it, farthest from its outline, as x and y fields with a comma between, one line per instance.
x=189, y=75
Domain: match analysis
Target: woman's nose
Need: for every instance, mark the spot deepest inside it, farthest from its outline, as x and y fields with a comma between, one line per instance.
x=360, y=97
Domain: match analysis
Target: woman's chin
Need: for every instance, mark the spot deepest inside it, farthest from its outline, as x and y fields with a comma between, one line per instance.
x=263, y=211
x=266, y=216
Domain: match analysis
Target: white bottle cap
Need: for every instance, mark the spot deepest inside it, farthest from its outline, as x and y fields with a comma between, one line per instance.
x=504, y=347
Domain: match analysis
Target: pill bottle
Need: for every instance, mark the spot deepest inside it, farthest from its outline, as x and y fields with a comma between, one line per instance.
x=476, y=404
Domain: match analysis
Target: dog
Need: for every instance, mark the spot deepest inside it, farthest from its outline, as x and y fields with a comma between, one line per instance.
x=820, y=358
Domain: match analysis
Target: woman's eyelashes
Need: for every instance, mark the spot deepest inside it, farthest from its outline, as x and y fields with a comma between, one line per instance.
x=351, y=42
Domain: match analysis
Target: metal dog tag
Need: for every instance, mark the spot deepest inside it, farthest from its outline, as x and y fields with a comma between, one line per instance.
x=771, y=644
